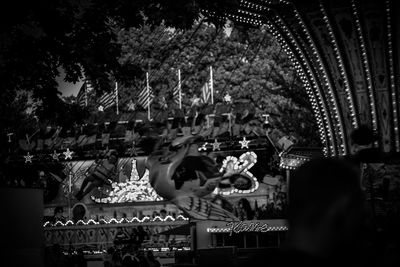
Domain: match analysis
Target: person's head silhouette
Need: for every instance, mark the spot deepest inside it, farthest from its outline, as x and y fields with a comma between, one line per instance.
x=325, y=212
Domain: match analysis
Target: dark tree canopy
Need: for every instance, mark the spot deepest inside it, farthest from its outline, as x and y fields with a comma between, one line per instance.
x=38, y=38
x=104, y=41
x=80, y=36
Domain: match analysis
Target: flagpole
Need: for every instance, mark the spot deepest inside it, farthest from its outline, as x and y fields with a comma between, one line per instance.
x=69, y=193
x=116, y=96
x=86, y=96
x=148, y=95
x=180, y=88
x=211, y=85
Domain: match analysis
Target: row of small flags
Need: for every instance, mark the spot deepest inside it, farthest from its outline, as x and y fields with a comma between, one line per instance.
x=146, y=96
x=56, y=142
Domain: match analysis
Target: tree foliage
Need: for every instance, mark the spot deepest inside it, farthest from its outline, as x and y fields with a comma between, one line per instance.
x=248, y=65
x=121, y=40
x=80, y=36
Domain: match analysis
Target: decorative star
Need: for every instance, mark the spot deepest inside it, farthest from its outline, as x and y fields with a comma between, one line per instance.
x=68, y=154
x=55, y=155
x=216, y=145
x=131, y=106
x=228, y=98
x=101, y=108
x=203, y=147
x=244, y=143
x=196, y=101
x=28, y=158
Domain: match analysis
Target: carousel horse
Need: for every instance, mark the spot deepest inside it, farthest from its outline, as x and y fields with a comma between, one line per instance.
x=183, y=176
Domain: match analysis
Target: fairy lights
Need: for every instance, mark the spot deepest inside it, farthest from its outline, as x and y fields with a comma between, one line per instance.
x=343, y=73
x=326, y=81
x=291, y=162
x=145, y=219
x=28, y=158
x=232, y=164
x=366, y=66
x=392, y=76
x=216, y=145
x=134, y=190
x=253, y=6
x=229, y=229
x=244, y=143
x=254, y=22
x=313, y=91
x=68, y=154
x=300, y=72
x=203, y=147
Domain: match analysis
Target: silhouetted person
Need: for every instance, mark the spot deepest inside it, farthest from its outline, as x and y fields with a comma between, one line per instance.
x=107, y=257
x=363, y=141
x=152, y=261
x=54, y=257
x=80, y=260
x=141, y=235
x=243, y=210
x=58, y=214
x=142, y=259
x=325, y=215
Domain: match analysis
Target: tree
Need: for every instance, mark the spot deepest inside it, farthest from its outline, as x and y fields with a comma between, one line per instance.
x=247, y=66
x=80, y=36
x=121, y=40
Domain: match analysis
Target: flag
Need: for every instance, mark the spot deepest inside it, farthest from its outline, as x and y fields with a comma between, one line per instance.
x=177, y=92
x=25, y=145
x=69, y=141
x=116, y=96
x=82, y=139
x=82, y=96
x=107, y=100
x=105, y=139
x=163, y=103
x=285, y=143
x=145, y=97
x=91, y=139
x=129, y=136
x=208, y=90
x=52, y=136
x=40, y=143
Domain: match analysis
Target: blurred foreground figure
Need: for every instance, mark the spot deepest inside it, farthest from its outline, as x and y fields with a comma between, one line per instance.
x=325, y=216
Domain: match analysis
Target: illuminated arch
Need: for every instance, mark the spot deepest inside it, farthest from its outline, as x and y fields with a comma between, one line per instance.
x=348, y=58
